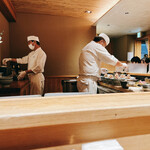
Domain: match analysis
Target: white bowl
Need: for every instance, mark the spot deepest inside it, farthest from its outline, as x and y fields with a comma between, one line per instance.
x=146, y=86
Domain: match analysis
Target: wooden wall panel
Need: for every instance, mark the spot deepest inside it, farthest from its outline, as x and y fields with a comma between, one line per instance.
x=138, y=49
x=53, y=83
x=110, y=48
x=62, y=55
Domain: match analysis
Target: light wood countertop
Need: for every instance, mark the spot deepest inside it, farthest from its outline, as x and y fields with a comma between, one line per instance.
x=53, y=121
x=72, y=109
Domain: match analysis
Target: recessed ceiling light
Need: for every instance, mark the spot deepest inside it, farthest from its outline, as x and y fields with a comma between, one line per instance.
x=88, y=11
x=126, y=13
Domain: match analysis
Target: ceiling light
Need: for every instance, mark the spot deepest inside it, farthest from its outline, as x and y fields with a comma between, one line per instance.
x=108, y=25
x=88, y=11
x=126, y=13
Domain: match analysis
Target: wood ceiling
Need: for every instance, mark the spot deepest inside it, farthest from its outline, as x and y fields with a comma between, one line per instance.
x=73, y=8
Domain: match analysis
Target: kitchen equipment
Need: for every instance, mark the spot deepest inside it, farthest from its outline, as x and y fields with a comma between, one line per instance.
x=17, y=67
x=5, y=70
x=12, y=69
x=5, y=81
x=69, y=85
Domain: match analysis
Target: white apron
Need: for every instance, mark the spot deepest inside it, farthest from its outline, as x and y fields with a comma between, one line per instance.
x=36, y=83
x=87, y=84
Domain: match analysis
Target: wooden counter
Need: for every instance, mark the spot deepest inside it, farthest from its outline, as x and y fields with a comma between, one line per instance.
x=15, y=88
x=117, y=88
x=135, y=74
x=54, y=121
x=139, y=74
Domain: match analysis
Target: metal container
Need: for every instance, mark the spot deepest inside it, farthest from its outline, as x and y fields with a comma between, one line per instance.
x=69, y=85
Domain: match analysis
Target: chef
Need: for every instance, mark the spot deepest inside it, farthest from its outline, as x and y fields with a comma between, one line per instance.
x=90, y=63
x=36, y=61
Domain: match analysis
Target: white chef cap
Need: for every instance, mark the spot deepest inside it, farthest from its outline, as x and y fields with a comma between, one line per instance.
x=33, y=38
x=105, y=37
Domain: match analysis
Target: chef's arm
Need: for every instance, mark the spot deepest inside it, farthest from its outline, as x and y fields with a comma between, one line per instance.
x=14, y=59
x=23, y=60
x=29, y=71
x=22, y=74
x=123, y=65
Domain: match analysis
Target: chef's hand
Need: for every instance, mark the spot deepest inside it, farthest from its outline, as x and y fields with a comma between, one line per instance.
x=21, y=75
x=125, y=66
x=5, y=60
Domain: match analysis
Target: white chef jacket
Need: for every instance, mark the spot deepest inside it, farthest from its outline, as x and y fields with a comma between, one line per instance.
x=89, y=66
x=91, y=57
x=36, y=62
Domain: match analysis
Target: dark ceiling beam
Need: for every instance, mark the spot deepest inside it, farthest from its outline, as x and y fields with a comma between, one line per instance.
x=7, y=9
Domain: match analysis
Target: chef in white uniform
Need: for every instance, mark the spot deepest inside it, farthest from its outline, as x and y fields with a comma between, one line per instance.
x=90, y=63
x=36, y=61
